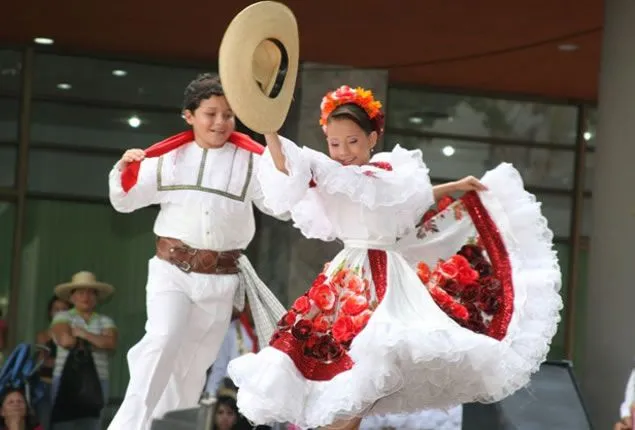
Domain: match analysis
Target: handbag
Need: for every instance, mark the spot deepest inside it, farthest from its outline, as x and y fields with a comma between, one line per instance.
x=80, y=393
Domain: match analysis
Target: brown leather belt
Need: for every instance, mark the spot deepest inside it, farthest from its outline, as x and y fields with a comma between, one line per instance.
x=194, y=260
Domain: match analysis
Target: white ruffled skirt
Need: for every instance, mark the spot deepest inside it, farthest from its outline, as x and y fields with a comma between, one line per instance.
x=411, y=355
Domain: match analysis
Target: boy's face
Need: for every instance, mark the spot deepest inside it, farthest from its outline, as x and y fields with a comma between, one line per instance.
x=213, y=122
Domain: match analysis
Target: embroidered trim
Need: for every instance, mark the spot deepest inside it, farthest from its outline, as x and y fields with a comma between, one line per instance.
x=198, y=187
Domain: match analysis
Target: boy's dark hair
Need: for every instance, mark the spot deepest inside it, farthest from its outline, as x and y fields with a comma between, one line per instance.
x=203, y=87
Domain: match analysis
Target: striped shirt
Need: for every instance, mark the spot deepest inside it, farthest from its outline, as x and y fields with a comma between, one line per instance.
x=96, y=325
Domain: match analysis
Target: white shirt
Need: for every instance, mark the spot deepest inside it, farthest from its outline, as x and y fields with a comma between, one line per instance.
x=629, y=397
x=205, y=195
x=236, y=343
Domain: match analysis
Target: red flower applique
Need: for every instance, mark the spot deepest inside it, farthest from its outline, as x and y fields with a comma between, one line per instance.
x=302, y=329
x=321, y=324
x=302, y=305
x=423, y=271
x=322, y=296
x=343, y=329
x=354, y=304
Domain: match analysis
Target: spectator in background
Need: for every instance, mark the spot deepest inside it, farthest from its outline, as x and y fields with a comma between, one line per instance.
x=15, y=413
x=226, y=415
x=44, y=338
x=82, y=325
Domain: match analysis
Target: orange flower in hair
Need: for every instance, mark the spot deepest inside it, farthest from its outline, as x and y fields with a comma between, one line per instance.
x=345, y=95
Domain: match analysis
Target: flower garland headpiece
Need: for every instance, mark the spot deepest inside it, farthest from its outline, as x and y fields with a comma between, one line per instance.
x=359, y=96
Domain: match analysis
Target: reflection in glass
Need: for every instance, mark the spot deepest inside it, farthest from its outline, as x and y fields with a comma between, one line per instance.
x=66, y=124
x=453, y=159
x=7, y=220
x=483, y=117
x=587, y=217
x=8, y=160
x=589, y=170
x=9, y=113
x=58, y=172
x=110, y=81
x=10, y=71
x=591, y=126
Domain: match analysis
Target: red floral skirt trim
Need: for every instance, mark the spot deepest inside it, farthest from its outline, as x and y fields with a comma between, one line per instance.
x=493, y=243
x=322, y=357
x=474, y=287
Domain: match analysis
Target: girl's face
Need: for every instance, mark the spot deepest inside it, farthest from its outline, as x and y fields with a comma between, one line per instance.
x=58, y=306
x=14, y=405
x=225, y=418
x=347, y=142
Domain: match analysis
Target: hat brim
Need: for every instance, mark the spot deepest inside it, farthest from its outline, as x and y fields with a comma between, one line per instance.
x=64, y=291
x=266, y=20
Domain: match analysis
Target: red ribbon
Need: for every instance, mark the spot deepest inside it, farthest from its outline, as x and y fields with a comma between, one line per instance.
x=244, y=320
x=131, y=172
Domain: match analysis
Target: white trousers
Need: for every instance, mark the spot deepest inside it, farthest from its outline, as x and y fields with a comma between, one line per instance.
x=188, y=316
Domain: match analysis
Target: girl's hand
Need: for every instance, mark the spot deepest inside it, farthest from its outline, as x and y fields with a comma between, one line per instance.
x=469, y=183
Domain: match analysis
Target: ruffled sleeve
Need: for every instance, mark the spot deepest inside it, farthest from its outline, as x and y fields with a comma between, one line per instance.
x=406, y=187
x=295, y=193
x=281, y=191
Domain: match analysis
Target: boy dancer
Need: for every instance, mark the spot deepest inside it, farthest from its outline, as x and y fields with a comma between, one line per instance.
x=205, y=182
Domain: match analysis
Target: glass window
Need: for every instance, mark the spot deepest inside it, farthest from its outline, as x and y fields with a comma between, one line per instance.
x=591, y=127
x=10, y=72
x=453, y=159
x=482, y=117
x=558, y=344
x=111, y=81
x=589, y=171
x=7, y=220
x=587, y=217
x=68, y=173
x=9, y=113
x=92, y=127
x=62, y=238
x=8, y=160
x=557, y=209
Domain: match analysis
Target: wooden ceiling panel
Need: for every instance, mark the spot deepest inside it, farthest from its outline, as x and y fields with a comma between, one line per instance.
x=490, y=45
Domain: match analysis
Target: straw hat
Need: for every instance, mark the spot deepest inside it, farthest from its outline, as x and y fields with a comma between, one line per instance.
x=249, y=61
x=84, y=280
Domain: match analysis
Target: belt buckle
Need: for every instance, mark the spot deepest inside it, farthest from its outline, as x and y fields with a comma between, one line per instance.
x=184, y=266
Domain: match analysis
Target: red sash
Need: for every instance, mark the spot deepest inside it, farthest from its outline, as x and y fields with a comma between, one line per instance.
x=131, y=172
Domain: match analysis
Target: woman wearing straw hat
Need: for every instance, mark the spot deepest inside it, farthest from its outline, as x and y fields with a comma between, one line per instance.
x=77, y=325
x=422, y=309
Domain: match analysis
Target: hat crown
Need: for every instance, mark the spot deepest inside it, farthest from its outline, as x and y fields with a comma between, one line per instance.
x=84, y=277
x=266, y=65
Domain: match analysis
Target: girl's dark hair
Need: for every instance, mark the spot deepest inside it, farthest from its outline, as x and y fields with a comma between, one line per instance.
x=51, y=302
x=358, y=115
x=30, y=420
x=203, y=87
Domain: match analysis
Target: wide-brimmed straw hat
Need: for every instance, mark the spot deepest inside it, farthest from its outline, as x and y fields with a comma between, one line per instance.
x=84, y=279
x=258, y=64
